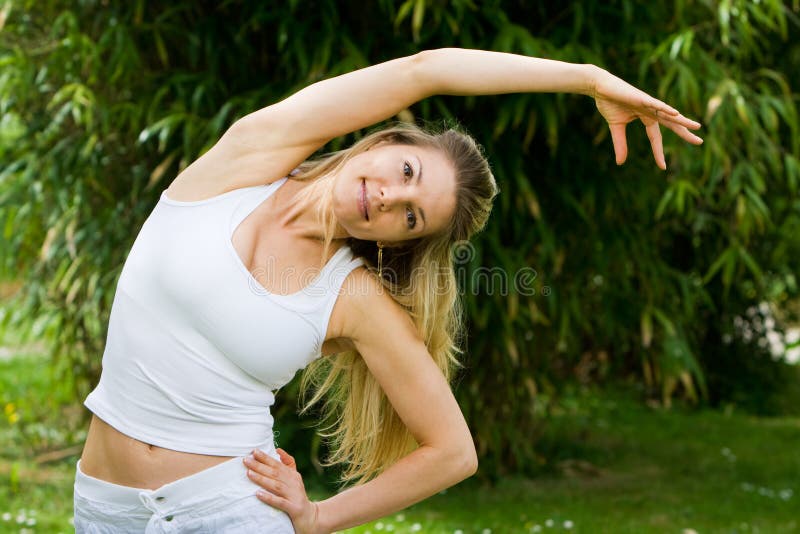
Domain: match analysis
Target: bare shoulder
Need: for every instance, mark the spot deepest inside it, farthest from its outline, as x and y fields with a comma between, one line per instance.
x=368, y=306
x=234, y=162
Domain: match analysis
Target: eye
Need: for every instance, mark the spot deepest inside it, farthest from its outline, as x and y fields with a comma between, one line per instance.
x=411, y=218
x=408, y=171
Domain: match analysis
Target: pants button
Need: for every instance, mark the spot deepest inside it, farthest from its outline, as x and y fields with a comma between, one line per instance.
x=168, y=518
x=161, y=499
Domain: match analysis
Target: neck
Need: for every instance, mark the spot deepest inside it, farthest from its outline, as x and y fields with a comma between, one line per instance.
x=299, y=214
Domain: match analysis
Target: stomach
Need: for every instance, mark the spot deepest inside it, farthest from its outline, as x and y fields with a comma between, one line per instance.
x=114, y=457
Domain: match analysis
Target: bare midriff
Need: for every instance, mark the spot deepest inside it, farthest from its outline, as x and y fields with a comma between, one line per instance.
x=114, y=457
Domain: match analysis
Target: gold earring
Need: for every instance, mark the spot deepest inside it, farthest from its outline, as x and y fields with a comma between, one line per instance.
x=380, y=259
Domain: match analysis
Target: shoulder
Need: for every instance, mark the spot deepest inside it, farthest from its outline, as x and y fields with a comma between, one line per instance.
x=366, y=307
x=231, y=164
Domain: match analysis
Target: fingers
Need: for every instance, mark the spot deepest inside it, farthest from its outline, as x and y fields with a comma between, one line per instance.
x=660, y=107
x=619, y=141
x=286, y=458
x=683, y=132
x=273, y=500
x=654, y=134
x=679, y=119
x=262, y=464
x=663, y=112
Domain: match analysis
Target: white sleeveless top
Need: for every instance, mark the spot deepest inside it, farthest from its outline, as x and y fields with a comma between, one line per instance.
x=196, y=346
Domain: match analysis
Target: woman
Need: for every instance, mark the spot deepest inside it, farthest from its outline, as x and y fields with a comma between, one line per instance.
x=206, y=324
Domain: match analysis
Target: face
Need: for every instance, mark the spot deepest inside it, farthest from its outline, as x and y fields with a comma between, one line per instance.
x=407, y=191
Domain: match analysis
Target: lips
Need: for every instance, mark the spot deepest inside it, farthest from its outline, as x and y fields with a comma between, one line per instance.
x=363, y=200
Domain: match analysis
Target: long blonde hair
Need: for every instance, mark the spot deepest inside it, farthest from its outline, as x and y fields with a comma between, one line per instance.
x=367, y=434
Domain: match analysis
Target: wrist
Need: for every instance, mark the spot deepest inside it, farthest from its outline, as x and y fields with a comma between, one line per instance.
x=590, y=75
x=320, y=526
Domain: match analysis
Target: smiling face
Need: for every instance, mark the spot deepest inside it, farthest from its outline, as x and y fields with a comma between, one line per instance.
x=407, y=192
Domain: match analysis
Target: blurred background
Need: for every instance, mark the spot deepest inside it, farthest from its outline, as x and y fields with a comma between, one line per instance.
x=647, y=382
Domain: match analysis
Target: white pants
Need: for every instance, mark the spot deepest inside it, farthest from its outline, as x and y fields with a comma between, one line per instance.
x=218, y=499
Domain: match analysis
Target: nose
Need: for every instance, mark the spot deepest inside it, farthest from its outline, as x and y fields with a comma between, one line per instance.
x=391, y=195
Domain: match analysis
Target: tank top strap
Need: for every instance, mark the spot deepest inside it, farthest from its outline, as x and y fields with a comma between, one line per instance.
x=250, y=199
x=335, y=286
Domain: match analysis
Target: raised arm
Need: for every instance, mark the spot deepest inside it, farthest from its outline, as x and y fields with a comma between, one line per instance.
x=340, y=105
x=292, y=129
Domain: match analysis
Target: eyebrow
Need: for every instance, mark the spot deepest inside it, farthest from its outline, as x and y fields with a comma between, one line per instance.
x=419, y=179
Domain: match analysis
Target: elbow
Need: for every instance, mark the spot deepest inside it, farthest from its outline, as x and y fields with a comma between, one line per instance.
x=466, y=463
x=423, y=73
x=471, y=464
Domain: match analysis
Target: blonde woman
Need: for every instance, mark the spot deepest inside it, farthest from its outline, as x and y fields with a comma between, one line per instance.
x=256, y=263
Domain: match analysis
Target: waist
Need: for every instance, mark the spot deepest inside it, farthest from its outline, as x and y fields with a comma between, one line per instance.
x=114, y=457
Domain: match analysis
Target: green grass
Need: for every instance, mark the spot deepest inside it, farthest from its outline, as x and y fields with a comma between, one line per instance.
x=644, y=470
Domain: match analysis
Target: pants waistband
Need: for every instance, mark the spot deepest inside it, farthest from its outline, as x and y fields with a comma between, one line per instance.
x=228, y=475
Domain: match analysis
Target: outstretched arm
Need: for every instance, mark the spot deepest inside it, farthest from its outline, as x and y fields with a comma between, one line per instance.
x=292, y=129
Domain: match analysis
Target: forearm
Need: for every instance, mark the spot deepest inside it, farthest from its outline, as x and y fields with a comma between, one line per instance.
x=458, y=71
x=340, y=105
x=411, y=479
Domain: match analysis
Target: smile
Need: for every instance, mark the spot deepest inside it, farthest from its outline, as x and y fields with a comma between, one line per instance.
x=363, y=200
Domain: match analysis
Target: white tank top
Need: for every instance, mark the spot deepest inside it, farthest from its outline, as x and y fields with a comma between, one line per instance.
x=196, y=346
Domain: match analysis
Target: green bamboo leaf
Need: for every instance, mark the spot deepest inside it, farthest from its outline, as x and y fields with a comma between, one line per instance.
x=664, y=202
x=403, y=12
x=725, y=258
x=724, y=15
x=666, y=322
x=750, y=263
x=792, y=166
x=417, y=18
x=161, y=48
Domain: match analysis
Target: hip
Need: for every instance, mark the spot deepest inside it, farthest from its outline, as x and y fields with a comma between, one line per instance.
x=217, y=499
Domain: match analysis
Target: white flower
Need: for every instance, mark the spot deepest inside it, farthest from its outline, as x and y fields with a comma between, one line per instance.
x=549, y=523
x=379, y=525
x=786, y=494
x=726, y=338
x=400, y=517
x=689, y=531
x=536, y=528
x=458, y=531
x=30, y=522
x=568, y=524
x=766, y=492
x=6, y=516
x=416, y=527
x=486, y=531
x=390, y=527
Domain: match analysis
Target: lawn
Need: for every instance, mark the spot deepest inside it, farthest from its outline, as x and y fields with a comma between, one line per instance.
x=622, y=467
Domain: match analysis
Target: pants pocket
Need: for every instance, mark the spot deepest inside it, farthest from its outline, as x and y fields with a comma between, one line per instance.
x=93, y=517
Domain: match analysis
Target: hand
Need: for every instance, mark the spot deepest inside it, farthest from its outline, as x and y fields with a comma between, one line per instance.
x=284, y=489
x=621, y=103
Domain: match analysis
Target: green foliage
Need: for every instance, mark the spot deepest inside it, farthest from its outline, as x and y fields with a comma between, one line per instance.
x=612, y=465
x=637, y=272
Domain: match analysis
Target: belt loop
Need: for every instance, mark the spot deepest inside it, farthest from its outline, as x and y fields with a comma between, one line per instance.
x=148, y=501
